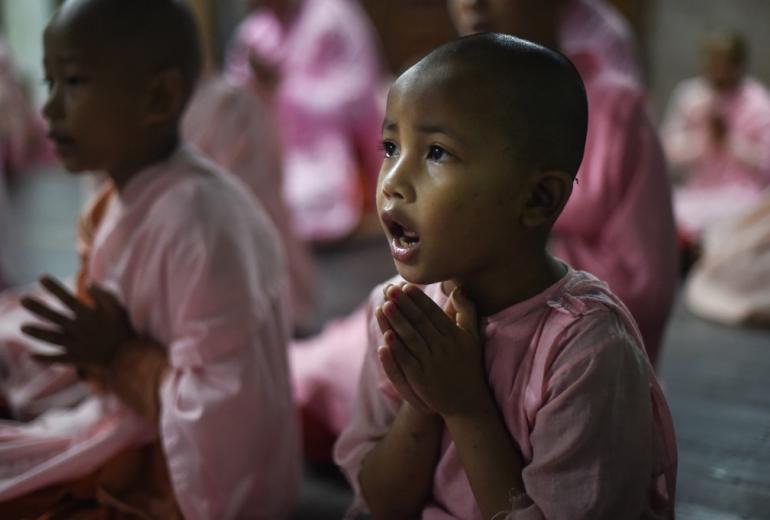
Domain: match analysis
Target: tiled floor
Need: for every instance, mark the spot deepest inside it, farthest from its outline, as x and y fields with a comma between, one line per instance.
x=717, y=379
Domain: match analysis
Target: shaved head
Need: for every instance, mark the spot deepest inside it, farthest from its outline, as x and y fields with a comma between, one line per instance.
x=144, y=36
x=531, y=94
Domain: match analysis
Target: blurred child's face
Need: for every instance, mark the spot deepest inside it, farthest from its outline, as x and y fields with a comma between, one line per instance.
x=533, y=20
x=93, y=106
x=721, y=67
x=448, y=193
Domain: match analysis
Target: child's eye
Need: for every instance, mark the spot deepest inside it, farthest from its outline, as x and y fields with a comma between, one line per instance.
x=389, y=148
x=437, y=154
x=74, y=81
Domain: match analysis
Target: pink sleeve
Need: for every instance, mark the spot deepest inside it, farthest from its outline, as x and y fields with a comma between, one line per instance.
x=227, y=422
x=376, y=408
x=630, y=242
x=592, y=439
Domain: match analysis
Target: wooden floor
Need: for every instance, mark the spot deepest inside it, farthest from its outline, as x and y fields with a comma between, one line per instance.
x=717, y=379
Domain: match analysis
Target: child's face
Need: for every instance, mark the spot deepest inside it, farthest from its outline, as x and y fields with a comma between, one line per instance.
x=530, y=19
x=448, y=193
x=721, y=67
x=93, y=106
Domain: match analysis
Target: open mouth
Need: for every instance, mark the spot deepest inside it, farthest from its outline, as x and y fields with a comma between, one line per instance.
x=402, y=236
x=404, y=241
x=61, y=141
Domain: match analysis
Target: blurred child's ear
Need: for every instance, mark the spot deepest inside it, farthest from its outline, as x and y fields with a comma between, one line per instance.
x=166, y=96
x=549, y=192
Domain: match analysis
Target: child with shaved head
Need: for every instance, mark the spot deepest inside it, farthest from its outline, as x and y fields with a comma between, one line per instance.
x=498, y=381
x=178, y=323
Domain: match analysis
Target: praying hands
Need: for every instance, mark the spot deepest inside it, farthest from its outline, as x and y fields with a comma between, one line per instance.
x=433, y=357
x=91, y=334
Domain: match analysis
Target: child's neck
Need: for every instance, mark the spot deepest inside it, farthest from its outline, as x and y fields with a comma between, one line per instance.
x=494, y=292
x=156, y=152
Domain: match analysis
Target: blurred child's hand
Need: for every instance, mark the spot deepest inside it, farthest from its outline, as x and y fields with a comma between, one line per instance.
x=267, y=76
x=91, y=335
x=717, y=129
x=434, y=357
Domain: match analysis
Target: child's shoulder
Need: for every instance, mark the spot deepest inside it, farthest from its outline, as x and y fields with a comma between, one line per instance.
x=197, y=190
x=191, y=196
x=585, y=321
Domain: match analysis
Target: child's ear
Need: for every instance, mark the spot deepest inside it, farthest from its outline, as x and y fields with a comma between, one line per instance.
x=549, y=192
x=165, y=97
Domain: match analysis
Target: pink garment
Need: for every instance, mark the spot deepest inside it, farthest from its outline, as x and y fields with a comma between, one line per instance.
x=719, y=181
x=595, y=27
x=325, y=369
x=578, y=395
x=730, y=283
x=618, y=223
x=233, y=126
x=329, y=106
x=194, y=261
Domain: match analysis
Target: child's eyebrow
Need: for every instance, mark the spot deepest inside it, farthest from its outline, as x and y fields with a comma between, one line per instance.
x=392, y=126
x=438, y=129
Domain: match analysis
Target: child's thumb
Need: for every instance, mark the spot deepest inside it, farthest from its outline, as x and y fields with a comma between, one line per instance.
x=464, y=312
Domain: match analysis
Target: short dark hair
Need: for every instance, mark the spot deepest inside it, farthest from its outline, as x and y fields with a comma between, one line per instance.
x=732, y=41
x=536, y=94
x=151, y=34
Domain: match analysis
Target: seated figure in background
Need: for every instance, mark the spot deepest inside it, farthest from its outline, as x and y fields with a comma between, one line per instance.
x=317, y=63
x=717, y=137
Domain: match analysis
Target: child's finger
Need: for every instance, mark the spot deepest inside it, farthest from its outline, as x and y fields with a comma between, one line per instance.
x=465, y=312
x=103, y=296
x=62, y=294
x=405, y=358
x=398, y=379
x=416, y=318
x=406, y=333
x=41, y=310
x=107, y=301
x=53, y=337
x=429, y=308
x=382, y=321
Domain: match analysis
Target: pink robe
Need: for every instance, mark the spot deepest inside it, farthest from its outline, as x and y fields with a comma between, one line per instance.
x=194, y=261
x=719, y=182
x=578, y=396
x=595, y=27
x=618, y=223
x=730, y=284
x=232, y=126
x=330, y=108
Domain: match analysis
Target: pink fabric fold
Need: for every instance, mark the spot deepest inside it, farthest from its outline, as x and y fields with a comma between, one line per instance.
x=578, y=395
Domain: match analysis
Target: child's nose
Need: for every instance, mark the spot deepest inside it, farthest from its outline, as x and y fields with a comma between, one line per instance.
x=52, y=106
x=395, y=184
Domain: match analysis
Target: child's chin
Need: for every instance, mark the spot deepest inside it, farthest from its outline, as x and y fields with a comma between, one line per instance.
x=413, y=276
x=73, y=166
